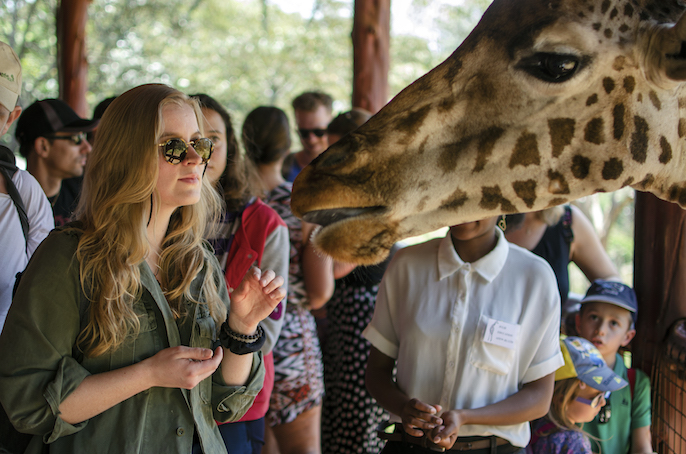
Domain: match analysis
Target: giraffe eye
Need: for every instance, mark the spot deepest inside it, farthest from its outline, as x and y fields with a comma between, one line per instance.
x=555, y=68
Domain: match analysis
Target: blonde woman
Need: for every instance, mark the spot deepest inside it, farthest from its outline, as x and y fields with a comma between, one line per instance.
x=112, y=342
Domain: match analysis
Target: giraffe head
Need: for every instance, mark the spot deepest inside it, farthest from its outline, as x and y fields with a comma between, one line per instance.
x=545, y=101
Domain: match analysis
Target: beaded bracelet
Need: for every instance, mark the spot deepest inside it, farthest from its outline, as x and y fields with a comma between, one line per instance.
x=241, y=344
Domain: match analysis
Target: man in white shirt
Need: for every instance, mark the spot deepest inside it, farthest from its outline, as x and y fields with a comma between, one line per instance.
x=472, y=323
x=15, y=249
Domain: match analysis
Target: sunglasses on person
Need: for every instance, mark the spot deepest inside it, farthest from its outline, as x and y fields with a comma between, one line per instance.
x=595, y=401
x=76, y=139
x=175, y=150
x=317, y=132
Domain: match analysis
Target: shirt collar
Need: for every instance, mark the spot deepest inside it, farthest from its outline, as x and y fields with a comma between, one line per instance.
x=487, y=266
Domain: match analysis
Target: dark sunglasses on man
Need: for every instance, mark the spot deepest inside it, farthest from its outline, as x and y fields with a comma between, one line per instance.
x=304, y=133
x=175, y=150
x=76, y=139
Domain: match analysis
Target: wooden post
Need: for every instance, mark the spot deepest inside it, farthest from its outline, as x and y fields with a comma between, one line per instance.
x=371, y=40
x=659, y=274
x=72, y=63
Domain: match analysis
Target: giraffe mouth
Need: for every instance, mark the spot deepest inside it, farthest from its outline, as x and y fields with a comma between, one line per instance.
x=328, y=217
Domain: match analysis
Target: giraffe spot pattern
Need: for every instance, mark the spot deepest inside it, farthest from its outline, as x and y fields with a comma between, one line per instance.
x=526, y=151
x=485, y=146
x=639, y=140
x=454, y=200
x=410, y=123
x=557, y=184
x=629, y=84
x=597, y=26
x=639, y=98
x=526, y=190
x=655, y=100
x=624, y=28
x=607, y=33
x=605, y=6
x=618, y=121
x=608, y=85
x=619, y=63
x=628, y=10
x=492, y=198
x=647, y=182
x=594, y=131
x=614, y=13
x=628, y=181
x=612, y=169
x=561, y=132
x=682, y=127
x=581, y=167
x=447, y=159
x=666, y=154
x=556, y=201
x=592, y=99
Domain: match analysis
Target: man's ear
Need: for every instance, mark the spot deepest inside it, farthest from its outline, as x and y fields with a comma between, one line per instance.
x=12, y=117
x=41, y=146
x=628, y=336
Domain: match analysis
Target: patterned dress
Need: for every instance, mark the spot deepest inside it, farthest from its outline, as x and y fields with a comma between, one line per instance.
x=299, y=375
x=549, y=439
x=350, y=414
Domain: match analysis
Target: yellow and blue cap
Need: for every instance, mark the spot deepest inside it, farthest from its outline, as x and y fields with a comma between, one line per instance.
x=584, y=361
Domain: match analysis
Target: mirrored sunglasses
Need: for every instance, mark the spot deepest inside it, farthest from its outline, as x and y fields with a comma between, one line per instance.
x=76, y=139
x=175, y=150
x=317, y=132
x=596, y=400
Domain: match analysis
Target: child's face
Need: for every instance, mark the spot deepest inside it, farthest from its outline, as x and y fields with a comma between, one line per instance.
x=578, y=411
x=607, y=326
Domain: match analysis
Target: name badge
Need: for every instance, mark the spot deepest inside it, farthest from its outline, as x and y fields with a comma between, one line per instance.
x=501, y=333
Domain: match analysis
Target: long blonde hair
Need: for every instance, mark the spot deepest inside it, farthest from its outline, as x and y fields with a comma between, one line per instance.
x=565, y=392
x=114, y=209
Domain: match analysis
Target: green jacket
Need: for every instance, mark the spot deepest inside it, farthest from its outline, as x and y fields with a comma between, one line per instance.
x=38, y=368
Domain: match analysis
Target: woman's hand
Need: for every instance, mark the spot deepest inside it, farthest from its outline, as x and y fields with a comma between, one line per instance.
x=445, y=434
x=183, y=367
x=419, y=417
x=254, y=299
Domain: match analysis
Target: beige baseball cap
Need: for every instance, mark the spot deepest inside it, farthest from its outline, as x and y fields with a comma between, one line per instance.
x=10, y=76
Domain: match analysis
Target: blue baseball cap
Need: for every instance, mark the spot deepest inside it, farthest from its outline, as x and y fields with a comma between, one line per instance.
x=584, y=361
x=615, y=293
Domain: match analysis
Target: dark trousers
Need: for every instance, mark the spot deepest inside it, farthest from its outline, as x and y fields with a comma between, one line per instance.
x=399, y=447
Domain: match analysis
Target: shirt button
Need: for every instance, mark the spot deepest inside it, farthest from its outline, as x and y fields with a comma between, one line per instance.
x=180, y=431
x=451, y=364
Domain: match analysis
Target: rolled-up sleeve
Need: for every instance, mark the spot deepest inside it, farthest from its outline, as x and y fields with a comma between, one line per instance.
x=37, y=370
x=229, y=403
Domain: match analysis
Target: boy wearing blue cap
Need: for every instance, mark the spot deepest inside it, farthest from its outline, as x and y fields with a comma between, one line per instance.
x=607, y=319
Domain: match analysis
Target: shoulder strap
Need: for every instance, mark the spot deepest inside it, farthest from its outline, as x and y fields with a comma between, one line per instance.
x=8, y=170
x=631, y=375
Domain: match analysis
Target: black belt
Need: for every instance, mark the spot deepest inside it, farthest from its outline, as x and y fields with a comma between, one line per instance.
x=474, y=445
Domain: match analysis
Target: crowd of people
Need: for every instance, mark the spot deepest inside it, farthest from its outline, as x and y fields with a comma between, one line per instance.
x=176, y=304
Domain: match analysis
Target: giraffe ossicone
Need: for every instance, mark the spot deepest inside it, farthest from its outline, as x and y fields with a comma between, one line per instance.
x=544, y=102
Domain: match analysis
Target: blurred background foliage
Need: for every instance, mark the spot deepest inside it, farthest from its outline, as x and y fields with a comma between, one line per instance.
x=247, y=53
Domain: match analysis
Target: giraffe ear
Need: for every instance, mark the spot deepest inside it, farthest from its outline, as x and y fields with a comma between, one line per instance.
x=670, y=47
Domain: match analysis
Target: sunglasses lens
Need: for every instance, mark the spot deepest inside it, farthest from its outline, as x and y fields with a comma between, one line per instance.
x=204, y=148
x=316, y=132
x=78, y=139
x=175, y=150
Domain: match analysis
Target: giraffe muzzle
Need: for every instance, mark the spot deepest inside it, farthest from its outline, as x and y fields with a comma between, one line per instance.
x=328, y=217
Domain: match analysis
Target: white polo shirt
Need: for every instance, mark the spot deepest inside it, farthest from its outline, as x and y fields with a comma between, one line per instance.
x=434, y=313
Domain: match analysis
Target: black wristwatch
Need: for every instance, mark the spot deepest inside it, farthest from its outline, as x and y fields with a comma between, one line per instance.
x=240, y=344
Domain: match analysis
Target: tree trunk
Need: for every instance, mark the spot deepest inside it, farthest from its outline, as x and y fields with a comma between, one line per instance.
x=72, y=62
x=371, y=39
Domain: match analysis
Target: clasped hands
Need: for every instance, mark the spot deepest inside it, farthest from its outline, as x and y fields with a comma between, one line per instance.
x=421, y=419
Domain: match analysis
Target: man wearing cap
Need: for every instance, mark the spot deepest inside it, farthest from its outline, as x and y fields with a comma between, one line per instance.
x=607, y=318
x=52, y=138
x=15, y=248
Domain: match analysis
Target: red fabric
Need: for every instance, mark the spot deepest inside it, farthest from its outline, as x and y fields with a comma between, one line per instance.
x=257, y=223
